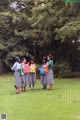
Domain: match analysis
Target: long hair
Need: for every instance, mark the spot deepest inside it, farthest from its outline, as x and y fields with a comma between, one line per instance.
x=50, y=56
x=32, y=60
x=44, y=60
x=23, y=59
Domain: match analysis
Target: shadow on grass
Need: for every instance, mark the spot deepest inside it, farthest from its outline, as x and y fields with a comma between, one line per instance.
x=31, y=91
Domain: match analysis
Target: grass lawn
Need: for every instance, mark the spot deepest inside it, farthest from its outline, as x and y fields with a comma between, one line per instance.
x=61, y=104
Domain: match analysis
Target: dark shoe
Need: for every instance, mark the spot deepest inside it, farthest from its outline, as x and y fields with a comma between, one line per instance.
x=15, y=86
x=44, y=87
x=24, y=90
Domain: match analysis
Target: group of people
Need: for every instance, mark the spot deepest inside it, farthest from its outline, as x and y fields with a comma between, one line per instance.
x=25, y=73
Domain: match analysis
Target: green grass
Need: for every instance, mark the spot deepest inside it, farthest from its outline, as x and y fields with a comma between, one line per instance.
x=61, y=104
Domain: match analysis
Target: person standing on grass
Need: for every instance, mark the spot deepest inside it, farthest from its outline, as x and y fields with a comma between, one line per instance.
x=50, y=73
x=44, y=73
x=24, y=74
x=16, y=68
x=32, y=74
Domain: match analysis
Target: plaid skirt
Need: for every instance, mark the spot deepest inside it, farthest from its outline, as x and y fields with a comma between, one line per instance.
x=24, y=80
x=44, y=78
x=32, y=78
x=17, y=79
x=50, y=77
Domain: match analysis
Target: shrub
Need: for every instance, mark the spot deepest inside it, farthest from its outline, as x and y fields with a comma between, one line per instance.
x=62, y=70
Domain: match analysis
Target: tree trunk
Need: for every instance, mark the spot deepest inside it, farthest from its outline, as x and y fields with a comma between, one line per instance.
x=1, y=66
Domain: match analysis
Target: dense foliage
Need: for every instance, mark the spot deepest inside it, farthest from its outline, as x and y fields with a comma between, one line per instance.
x=35, y=28
x=62, y=70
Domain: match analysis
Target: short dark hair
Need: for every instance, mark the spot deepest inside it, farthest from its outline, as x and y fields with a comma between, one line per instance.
x=17, y=59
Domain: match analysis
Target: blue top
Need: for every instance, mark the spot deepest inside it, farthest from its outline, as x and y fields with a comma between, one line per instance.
x=16, y=67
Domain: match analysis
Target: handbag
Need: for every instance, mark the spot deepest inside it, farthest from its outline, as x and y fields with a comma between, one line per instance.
x=42, y=71
x=46, y=69
x=22, y=72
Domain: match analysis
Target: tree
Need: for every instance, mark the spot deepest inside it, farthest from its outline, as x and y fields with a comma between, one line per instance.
x=35, y=28
x=60, y=25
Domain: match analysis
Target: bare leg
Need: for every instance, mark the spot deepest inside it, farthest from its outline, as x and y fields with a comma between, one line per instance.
x=18, y=90
x=51, y=87
x=29, y=85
